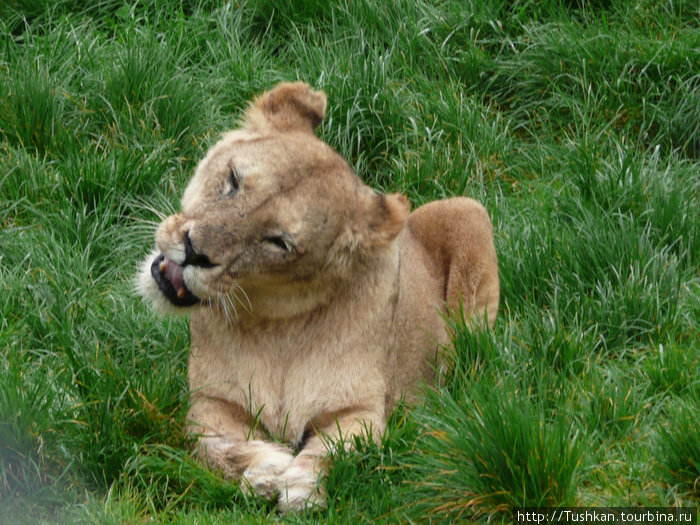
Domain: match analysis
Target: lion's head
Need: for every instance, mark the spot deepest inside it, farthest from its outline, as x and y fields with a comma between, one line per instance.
x=273, y=218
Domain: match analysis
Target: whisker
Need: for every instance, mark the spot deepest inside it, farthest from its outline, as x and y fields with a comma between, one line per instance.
x=249, y=308
x=227, y=305
x=233, y=306
x=161, y=209
x=222, y=306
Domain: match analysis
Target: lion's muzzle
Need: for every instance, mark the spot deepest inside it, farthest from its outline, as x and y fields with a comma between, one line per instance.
x=168, y=275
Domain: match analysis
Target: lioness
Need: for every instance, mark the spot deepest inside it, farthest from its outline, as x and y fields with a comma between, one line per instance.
x=315, y=302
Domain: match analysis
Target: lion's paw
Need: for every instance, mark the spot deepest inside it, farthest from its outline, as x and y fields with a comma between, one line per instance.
x=262, y=476
x=299, y=487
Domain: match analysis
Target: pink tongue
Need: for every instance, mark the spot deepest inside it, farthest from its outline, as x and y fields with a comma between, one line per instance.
x=173, y=272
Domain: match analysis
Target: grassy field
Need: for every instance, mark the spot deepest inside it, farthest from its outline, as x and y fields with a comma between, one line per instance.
x=577, y=123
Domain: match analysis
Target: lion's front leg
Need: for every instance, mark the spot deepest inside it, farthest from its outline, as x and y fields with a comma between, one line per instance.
x=224, y=444
x=300, y=485
x=257, y=464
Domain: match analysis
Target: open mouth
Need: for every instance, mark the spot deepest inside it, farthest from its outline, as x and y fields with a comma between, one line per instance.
x=168, y=276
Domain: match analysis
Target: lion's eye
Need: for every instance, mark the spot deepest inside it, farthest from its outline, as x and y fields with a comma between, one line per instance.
x=232, y=184
x=279, y=242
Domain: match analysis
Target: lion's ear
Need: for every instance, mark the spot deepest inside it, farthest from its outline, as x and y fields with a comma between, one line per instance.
x=382, y=219
x=289, y=106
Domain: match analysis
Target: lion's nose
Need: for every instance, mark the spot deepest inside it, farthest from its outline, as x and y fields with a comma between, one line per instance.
x=194, y=258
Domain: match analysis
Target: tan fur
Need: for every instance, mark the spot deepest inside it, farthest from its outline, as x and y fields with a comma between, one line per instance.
x=293, y=347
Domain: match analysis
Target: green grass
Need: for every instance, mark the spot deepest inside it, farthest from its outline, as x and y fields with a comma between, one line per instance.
x=576, y=123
